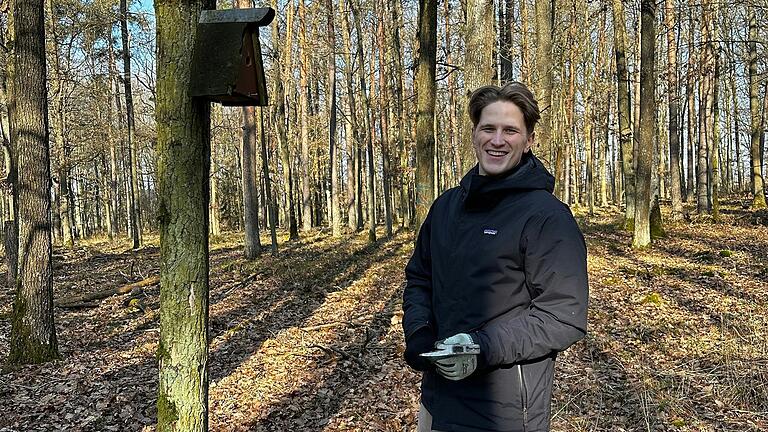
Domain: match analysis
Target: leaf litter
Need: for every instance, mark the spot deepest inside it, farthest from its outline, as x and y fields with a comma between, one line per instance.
x=310, y=340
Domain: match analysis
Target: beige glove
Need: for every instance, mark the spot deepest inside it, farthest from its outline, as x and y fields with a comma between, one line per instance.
x=459, y=366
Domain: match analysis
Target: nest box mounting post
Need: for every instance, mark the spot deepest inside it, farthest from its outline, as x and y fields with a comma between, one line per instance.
x=226, y=65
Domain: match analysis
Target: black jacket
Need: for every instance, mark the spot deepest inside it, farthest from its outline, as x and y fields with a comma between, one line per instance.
x=503, y=260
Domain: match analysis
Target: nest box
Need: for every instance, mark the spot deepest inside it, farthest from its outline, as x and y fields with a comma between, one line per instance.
x=226, y=64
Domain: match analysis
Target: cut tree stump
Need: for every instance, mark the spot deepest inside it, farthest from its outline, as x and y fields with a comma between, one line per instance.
x=80, y=299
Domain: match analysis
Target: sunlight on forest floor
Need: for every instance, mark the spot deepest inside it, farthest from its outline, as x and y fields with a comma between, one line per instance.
x=310, y=340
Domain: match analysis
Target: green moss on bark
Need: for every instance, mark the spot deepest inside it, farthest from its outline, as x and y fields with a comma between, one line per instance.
x=167, y=414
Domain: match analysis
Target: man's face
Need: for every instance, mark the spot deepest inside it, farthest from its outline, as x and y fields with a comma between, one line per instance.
x=500, y=138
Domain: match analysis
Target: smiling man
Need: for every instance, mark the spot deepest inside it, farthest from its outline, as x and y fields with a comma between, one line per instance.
x=497, y=284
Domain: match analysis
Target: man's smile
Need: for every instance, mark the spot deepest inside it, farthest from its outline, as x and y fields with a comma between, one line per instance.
x=496, y=153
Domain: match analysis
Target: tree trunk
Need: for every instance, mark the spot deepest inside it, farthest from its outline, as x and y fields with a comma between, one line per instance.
x=713, y=108
x=306, y=193
x=672, y=100
x=352, y=129
x=544, y=10
x=384, y=111
x=271, y=210
x=452, y=137
x=703, y=203
x=281, y=117
x=58, y=123
x=9, y=154
x=183, y=165
x=525, y=50
x=113, y=166
x=33, y=333
x=478, y=63
x=624, y=112
x=399, y=117
x=130, y=132
x=735, y=121
x=213, y=209
x=333, y=151
x=642, y=232
x=367, y=129
x=506, y=16
x=427, y=89
x=689, y=88
x=758, y=185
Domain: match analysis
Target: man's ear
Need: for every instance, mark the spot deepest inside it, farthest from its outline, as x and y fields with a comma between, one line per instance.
x=529, y=142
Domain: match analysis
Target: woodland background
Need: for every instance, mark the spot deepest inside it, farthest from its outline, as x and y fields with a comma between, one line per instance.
x=643, y=103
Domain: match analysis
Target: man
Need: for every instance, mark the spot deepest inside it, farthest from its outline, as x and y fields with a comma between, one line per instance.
x=499, y=262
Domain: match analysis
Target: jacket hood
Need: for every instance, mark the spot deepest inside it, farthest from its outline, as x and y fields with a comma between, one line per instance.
x=484, y=192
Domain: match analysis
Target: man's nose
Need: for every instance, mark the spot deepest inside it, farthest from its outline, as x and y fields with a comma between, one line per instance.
x=498, y=138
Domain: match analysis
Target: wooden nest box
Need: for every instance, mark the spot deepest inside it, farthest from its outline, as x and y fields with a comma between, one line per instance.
x=226, y=63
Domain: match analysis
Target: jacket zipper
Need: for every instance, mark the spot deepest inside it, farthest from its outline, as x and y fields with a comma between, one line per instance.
x=524, y=396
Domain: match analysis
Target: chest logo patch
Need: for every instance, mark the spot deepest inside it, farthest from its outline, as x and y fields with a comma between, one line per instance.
x=490, y=231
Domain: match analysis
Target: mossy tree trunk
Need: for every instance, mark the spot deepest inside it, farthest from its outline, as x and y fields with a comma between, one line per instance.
x=33, y=333
x=183, y=151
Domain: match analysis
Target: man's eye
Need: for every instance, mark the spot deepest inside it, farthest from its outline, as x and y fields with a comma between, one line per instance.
x=510, y=131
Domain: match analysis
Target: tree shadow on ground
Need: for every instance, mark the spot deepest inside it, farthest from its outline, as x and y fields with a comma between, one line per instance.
x=314, y=403
x=288, y=299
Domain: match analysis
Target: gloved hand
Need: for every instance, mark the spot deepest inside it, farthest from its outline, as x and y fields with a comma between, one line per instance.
x=421, y=341
x=459, y=366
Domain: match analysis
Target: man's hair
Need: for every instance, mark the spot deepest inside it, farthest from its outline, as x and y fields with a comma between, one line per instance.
x=514, y=92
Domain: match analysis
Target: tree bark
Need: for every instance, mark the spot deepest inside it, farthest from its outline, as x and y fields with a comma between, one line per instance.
x=131, y=129
x=58, y=123
x=306, y=193
x=384, y=115
x=689, y=88
x=758, y=185
x=183, y=165
x=425, y=83
x=672, y=100
x=113, y=180
x=33, y=333
x=281, y=117
x=713, y=108
x=642, y=232
x=478, y=64
x=544, y=12
x=367, y=129
x=399, y=117
x=624, y=112
x=352, y=129
x=271, y=210
x=332, y=107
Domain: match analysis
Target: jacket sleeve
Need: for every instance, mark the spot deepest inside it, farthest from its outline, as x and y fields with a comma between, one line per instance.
x=417, y=296
x=555, y=258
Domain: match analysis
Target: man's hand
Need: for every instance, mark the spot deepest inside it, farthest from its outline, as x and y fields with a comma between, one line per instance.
x=458, y=366
x=423, y=340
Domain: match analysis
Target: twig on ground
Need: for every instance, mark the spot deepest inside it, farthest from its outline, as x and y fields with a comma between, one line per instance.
x=339, y=351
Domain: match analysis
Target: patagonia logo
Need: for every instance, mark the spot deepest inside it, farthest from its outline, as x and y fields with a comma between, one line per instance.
x=490, y=231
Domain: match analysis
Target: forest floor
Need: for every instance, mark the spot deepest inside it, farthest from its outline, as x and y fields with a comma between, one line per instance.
x=310, y=340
